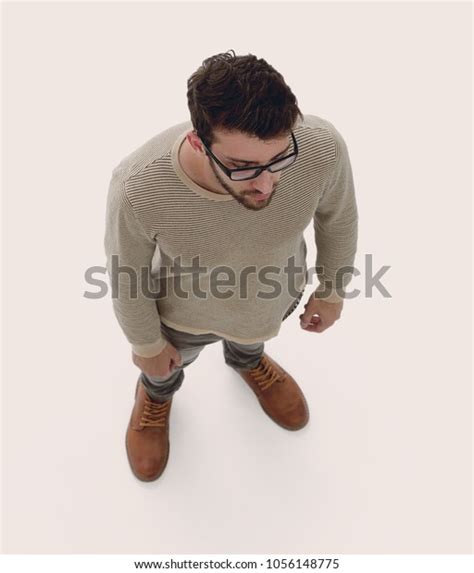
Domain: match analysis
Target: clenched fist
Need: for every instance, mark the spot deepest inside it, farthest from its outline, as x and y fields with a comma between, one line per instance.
x=320, y=314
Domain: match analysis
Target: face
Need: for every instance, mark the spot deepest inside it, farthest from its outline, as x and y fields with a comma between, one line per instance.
x=235, y=149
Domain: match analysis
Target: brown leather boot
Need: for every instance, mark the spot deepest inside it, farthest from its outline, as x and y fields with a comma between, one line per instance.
x=278, y=393
x=147, y=438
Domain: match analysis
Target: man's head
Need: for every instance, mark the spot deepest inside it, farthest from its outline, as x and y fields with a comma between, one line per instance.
x=241, y=109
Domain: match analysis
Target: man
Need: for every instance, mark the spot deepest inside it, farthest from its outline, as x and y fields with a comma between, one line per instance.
x=228, y=193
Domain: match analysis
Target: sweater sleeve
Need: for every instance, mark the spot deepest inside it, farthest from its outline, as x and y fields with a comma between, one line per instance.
x=336, y=227
x=127, y=245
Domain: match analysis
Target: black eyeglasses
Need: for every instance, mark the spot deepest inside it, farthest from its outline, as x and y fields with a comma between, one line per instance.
x=244, y=173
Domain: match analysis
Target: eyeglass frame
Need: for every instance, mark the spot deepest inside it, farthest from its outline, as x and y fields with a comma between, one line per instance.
x=260, y=168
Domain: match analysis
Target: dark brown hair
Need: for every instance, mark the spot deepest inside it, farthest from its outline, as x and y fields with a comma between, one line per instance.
x=240, y=93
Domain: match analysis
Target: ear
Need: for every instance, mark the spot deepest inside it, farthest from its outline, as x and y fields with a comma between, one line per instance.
x=195, y=141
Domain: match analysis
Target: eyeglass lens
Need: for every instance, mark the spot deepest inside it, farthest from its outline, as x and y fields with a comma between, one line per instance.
x=251, y=173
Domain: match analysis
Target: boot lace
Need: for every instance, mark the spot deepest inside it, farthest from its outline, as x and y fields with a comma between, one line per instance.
x=264, y=374
x=154, y=413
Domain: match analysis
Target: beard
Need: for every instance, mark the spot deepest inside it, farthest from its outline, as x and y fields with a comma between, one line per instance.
x=243, y=197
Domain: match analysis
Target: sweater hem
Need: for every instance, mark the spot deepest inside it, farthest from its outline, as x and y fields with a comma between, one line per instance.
x=226, y=336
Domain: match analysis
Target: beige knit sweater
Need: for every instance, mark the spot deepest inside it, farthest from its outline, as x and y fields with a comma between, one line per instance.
x=238, y=287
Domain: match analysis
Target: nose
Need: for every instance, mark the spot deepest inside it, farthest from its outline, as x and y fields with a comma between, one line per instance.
x=264, y=182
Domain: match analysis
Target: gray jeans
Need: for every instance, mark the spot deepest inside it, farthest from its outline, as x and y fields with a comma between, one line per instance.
x=190, y=345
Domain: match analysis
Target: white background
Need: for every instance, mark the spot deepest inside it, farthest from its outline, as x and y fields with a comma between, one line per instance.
x=384, y=465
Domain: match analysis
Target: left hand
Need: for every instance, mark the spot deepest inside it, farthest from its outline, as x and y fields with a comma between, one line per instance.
x=326, y=314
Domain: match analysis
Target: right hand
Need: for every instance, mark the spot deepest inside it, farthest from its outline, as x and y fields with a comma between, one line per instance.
x=162, y=364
